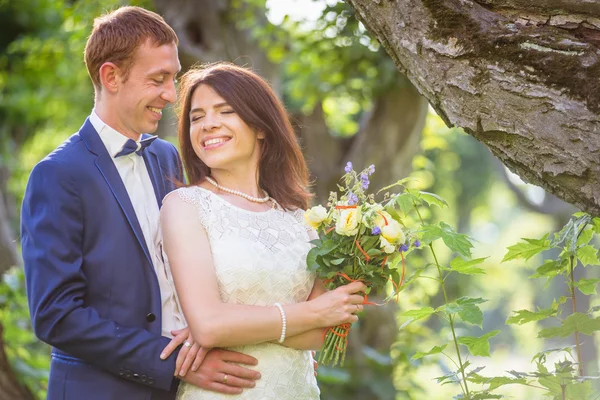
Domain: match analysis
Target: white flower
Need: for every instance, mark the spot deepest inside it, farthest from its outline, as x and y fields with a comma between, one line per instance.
x=348, y=222
x=386, y=246
x=392, y=232
x=315, y=216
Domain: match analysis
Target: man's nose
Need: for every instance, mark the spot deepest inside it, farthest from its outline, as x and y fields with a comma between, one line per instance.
x=170, y=94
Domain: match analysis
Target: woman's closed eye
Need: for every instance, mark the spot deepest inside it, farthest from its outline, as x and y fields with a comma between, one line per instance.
x=196, y=118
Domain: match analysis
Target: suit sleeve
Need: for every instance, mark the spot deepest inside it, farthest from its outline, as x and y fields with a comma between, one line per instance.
x=52, y=244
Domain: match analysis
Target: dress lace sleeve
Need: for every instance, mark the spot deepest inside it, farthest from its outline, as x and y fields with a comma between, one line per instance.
x=199, y=198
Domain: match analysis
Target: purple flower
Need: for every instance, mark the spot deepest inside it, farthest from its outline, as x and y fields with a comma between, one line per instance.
x=371, y=168
x=376, y=231
x=404, y=247
x=348, y=168
x=352, y=199
x=417, y=243
x=364, y=178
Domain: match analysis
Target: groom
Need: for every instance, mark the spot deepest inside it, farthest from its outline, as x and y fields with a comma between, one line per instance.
x=90, y=235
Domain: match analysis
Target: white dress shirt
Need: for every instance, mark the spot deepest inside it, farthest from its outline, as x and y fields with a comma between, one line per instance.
x=135, y=176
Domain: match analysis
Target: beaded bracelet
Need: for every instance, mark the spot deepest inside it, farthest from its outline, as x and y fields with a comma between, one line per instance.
x=283, y=322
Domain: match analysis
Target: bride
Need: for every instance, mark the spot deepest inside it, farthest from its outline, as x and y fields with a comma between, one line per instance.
x=235, y=239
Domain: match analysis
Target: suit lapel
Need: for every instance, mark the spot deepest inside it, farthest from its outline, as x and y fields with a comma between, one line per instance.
x=107, y=168
x=156, y=174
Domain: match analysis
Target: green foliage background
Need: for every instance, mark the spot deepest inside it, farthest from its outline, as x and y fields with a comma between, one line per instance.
x=45, y=95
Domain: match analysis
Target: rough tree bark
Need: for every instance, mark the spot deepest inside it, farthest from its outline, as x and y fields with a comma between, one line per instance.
x=520, y=76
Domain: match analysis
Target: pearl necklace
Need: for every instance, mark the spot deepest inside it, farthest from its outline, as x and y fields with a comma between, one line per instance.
x=238, y=193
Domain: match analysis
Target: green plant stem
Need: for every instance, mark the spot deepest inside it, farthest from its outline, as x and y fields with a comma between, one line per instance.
x=450, y=319
x=574, y=301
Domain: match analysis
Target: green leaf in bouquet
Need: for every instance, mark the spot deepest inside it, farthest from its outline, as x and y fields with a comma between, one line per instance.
x=524, y=316
x=478, y=346
x=327, y=247
x=587, y=286
x=373, y=252
x=583, y=323
x=436, y=350
x=467, y=267
x=588, y=255
x=311, y=259
x=337, y=261
x=368, y=241
x=432, y=199
x=527, y=249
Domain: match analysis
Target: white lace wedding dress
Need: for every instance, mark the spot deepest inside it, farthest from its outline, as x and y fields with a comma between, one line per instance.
x=260, y=259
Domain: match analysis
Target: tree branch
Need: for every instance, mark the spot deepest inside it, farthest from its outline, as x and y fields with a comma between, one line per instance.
x=529, y=92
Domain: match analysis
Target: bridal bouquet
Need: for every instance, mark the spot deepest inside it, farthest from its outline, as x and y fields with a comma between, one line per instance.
x=359, y=240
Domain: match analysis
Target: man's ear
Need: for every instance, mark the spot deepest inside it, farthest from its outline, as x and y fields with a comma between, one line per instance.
x=110, y=76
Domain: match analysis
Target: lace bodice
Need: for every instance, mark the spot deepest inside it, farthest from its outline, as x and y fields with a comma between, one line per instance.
x=259, y=259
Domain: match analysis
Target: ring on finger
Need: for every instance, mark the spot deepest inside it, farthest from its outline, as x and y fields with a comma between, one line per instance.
x=225, y=379
x=187, y=344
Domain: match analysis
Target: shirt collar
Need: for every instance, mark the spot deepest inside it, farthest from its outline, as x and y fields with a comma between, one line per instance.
x=113, y=140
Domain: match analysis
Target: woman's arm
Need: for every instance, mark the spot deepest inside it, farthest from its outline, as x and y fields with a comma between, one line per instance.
x=312, y=339
x=217, y=324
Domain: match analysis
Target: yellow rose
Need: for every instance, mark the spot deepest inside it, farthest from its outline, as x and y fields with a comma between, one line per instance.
x=315, y=216
x=392, y=232
x=348, y=222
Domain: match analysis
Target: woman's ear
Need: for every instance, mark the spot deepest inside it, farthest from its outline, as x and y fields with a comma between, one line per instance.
x=109, y=76
x=260, y=135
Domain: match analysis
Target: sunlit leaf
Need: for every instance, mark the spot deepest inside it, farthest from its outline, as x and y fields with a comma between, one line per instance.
x=433, y=199
x=467, y=267
x=582, y=323
x=436, y=350
x=524, y=316
x=588, y=255
x=478, y=346
x=527, y=249
x=587, y=286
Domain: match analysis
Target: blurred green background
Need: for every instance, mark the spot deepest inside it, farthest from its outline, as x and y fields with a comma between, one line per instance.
x=348, y=103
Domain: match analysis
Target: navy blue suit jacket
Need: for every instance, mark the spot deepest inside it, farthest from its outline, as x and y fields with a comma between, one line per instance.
x=93, y=293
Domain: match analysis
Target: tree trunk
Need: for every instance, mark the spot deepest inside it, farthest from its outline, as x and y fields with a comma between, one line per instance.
x=521, y=78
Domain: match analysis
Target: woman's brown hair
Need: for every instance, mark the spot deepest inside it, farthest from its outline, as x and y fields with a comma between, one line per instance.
x=282, y=168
